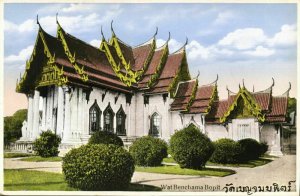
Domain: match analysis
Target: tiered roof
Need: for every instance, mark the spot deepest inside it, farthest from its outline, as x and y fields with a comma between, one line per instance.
x=114, y=65
x=192, y=99
x=262, y=104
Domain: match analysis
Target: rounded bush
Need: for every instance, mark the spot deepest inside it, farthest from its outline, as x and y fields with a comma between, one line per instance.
x=97, y=167
x=251, y=149
x=226, y=151
x=47, y=144
x=190, y=148
x=105, y=137
x=148, y=151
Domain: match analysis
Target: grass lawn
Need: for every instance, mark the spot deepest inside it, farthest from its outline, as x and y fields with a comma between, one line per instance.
x=17, y=180
x=42, y=159
x=175, y=169
x=253, y=163
x=15, y=155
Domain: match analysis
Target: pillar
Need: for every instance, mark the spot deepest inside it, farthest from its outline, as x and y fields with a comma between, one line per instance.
x=67, y=135
x=29, y=116
x=80, y=120
x=60, y=111
x=85, y=119
x=44, y=115
x=36, y=114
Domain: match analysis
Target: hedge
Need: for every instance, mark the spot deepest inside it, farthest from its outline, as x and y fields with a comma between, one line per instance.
x=98, y=167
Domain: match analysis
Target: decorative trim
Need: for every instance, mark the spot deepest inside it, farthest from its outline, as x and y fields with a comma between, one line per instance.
x=250, y=103
x=193, y=96
x=159, y=68
x=72, y=58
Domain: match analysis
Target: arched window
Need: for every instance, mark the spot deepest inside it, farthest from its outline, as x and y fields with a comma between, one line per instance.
x=108, y=116
x=155, y=124
x=94, y=115
x=120, y=122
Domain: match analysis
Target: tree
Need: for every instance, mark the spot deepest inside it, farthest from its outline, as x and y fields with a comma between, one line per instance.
x=13, y=126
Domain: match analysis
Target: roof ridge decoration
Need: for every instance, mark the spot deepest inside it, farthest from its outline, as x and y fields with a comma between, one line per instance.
x=268, y=90
x=150, y=41
x=51, y=60
x=287, y=92
x=193, y=96
x=182, y=48
x=181, y=75
x=130, y=76
x=72, y=58
x=162, y=62
x=250, y=103
x=214, y=97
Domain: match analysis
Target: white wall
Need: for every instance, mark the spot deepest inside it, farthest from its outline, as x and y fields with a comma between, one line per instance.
x=271, y=136
x=215, y=132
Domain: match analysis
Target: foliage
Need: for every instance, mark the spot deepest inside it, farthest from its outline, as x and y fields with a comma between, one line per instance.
x=13, y=125
x=15, y=155
x=226, y=151
x=190, y=148
x=251, y=149
x=47, y=144
x=175, y=169
x=148, y=151
x=42, y=159
x=96, y=167
x=20, y=180
x=105, y=137
x=292, y=105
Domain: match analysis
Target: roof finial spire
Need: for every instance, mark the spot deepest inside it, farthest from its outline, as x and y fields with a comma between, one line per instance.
x=186, y=41
x=273, y=82
x=169, y=37
x=56, y=18
x=198, y=74
x=112, y=29
x=243, y=83
x=253, y=88
x=239, y=86
x=103, y=38
x=37, y=19
x=155, y=32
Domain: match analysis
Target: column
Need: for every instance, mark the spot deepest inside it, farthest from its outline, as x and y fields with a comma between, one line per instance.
x=44, y=117
x=60, y=111
x=85, y=119
x=51, y=108
x=29, y=116
x=67, y=135
x=36, y=114
x=80, y=121
x=74, y=113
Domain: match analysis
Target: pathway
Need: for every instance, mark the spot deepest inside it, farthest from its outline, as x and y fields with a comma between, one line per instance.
x=281, y=171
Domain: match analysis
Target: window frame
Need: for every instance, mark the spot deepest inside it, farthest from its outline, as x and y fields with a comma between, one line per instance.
x=122, y=116
x=97, y=115
x=155, y=117
x=109, y=111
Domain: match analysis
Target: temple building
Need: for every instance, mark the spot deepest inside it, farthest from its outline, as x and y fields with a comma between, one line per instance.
x=133, y=92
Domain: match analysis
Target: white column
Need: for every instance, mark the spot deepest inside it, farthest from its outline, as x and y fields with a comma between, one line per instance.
x=36, y=114
x=80, y=120
x=55, y=102
x=29, y=116
x=44, y=117
x=67, y=135
x=51, y=108
x=74, y=113
x=60, y=111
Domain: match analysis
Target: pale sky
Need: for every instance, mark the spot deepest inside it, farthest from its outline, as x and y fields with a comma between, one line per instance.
x=254, y=42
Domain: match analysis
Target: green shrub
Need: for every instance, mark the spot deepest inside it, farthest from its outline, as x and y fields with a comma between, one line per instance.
x=96, y=167
x=47, y=144
x=226, y=151
x=251, y=149
x=190, y=148
x=105, y=137
x=148, y=151
x=263, y=148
